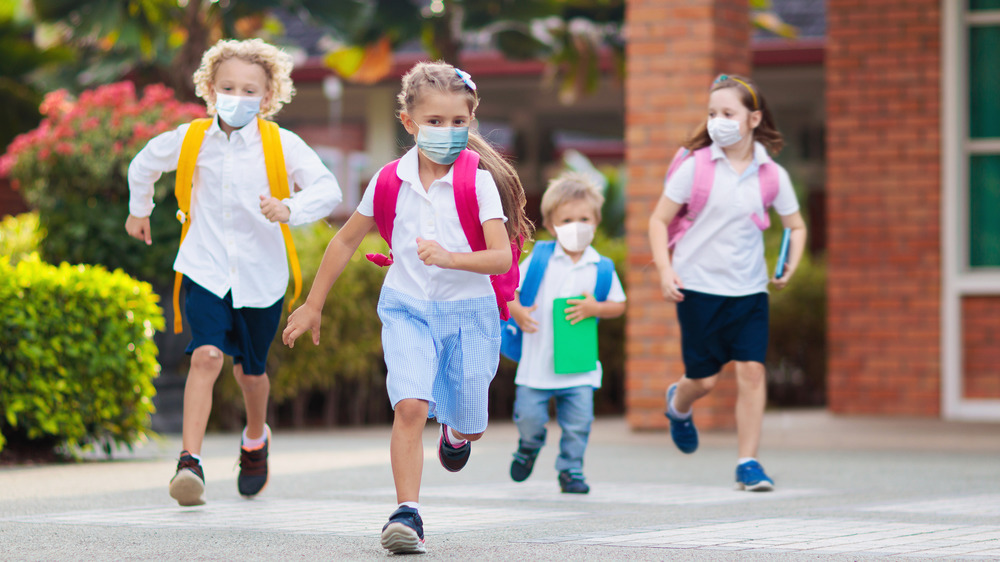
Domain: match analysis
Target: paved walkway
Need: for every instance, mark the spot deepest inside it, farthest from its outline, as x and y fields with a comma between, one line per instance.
x=847, y=489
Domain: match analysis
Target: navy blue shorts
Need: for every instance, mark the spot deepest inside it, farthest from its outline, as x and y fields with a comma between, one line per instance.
x=716, y=330
x=244, y=333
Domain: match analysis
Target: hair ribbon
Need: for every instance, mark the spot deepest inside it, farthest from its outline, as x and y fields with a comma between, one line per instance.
x=467, y=78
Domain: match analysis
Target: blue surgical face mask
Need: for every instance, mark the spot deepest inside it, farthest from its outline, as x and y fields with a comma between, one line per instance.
x=236, y=111
x=442, y=144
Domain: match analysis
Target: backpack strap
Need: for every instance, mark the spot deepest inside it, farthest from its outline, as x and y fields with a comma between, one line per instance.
x=767, y=176
x=277, y=178
x=184, y=179
x=464, y=186
x=701, y=186
x=605, y=270
x=540, y=256
x=384, y=202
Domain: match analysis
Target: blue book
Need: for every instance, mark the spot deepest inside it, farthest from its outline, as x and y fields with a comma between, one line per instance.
x=786, y=239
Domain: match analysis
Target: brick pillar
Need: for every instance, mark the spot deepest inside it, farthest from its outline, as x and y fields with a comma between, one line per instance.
x=674, y=50
x=883, y=202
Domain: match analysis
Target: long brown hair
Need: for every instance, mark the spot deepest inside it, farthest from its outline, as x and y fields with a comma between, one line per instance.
x=444, y=78
x=766, y=132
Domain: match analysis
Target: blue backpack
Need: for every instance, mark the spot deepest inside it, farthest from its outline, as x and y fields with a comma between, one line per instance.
x=511, y=334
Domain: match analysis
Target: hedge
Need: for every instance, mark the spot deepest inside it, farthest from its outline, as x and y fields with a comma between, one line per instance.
x=77, y=357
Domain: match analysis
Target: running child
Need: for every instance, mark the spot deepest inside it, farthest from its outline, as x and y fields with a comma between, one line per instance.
x=439, y=313
x=716, y=271
x=233, y=256
x=571, y=212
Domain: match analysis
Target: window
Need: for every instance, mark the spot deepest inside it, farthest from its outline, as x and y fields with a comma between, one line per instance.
x=982, y=153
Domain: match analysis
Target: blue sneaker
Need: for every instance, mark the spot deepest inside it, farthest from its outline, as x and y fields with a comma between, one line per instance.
x=683, y=431
x=404, y=533
x=750, y=477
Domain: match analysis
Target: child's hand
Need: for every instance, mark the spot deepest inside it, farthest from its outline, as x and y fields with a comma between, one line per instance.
x=273, y=209
x=431, y=253
x=782, y=282
x=522, y=316
x=138, y=228
x=302, y=320
x=581, y=309
x=670, y=286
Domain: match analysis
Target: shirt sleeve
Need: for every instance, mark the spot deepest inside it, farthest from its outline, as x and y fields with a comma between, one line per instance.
x=678, y=186
x=367, y=205
x=488, y=196
x=319, y=193
x=785, y=203
x=159, y=155
x=617, y=293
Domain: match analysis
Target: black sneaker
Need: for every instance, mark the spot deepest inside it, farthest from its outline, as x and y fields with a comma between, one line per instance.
x=572, y=483
x=404, y=533
x=253, y=469
x=188, y=484
x=453, y=459
x=524, y=461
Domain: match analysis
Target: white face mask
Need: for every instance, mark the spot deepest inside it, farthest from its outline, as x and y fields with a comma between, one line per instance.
x=724, y=132
x=575, y=236
x=236, y=111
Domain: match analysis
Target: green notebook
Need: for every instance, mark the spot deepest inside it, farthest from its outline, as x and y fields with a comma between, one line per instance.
x=575, y=344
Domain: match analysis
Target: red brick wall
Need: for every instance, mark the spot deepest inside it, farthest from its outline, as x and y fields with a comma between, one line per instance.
x=675, y=48
x=981, y=347
x=883, y=196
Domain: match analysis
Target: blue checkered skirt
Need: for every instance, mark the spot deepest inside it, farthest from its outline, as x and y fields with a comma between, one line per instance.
x=444, y=352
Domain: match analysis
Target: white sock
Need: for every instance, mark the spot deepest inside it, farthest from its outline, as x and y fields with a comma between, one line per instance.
x=251, y=444
x=413, y=505
x=453, y=439
x=673, y=411
x=744, y=460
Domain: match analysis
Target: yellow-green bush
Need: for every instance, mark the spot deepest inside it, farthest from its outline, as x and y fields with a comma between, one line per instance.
x=77, y=357
x=20, y=236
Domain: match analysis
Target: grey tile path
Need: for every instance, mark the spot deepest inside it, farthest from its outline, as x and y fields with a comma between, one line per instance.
x=847, y=489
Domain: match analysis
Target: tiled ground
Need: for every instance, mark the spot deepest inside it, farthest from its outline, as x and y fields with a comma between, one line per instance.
x=819, y=536
x=985, y=505
x=601, y=492
x=530, y=503
x=299, y=516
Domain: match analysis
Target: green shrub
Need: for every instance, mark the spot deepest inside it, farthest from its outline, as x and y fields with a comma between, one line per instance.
x=77, y=357
x=796, y=356
x=20, y=236
x=72, y=168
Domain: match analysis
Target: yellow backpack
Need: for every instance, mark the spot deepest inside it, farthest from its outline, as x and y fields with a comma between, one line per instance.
x=277, y=177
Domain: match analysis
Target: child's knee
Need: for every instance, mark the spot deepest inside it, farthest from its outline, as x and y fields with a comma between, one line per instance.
x=704, y=385
x=474, y=436
x=750, y=373
x=411, y=411
x=207, y=359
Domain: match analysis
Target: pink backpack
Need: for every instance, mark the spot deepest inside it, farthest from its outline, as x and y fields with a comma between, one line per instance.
x=464, y=177
x=701, y=187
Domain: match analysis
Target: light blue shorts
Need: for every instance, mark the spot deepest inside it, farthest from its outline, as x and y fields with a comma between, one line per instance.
x=444, y=352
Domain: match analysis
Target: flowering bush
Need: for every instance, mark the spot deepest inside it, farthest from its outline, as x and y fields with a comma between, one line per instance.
x=73, y=169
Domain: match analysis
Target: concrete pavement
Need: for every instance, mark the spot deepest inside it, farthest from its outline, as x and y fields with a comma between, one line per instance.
x=847, y=489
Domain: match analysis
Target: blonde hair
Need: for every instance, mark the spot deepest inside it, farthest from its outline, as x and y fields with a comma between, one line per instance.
x=276, y=63
x=568, y=187
x=766, y=132
x=444, y=78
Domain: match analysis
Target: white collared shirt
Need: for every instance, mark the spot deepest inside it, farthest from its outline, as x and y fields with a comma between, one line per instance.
x=432, y=215
x=230, y=244
x=723, y=251
x=562, y=279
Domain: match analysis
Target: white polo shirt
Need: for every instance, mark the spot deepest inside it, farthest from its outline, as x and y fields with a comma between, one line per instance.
x=230, y=244
x=432, y=215
x=562, y=279
x=723, y=251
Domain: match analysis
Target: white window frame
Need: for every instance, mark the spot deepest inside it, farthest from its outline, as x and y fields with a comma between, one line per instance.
x=958, y=279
